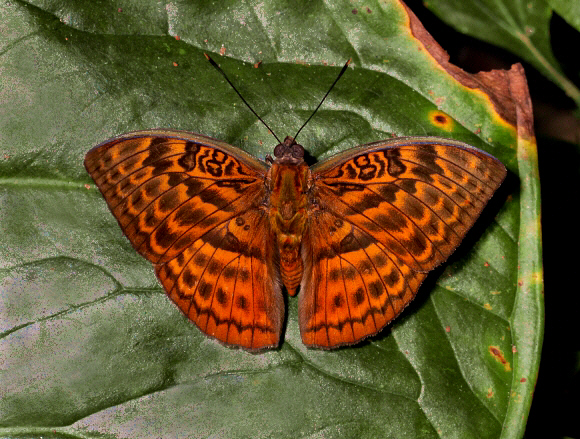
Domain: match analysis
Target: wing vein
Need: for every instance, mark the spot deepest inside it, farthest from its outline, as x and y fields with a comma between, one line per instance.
x=346, y=296
x=430, y=171
x=428, y=207
x=193, y=225
x=382, y=282
x=156, y=198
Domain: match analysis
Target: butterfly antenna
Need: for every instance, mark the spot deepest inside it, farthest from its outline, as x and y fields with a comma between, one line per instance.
x=323, y=99
x=213, y=63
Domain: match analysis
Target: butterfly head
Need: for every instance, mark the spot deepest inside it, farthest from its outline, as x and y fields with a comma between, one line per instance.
x=289, y=152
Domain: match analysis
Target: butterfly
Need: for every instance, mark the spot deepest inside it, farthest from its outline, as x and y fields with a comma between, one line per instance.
x=356, y=234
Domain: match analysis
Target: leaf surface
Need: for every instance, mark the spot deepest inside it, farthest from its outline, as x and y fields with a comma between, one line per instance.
x=90, y=344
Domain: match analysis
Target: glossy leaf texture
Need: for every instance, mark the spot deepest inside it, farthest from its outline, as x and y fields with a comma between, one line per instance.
x=90, y=343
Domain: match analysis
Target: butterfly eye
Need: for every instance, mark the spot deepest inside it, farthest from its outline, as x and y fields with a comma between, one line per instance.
x=297, y=151
x=280, y=150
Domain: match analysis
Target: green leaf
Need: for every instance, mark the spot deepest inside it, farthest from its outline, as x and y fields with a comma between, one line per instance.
x=91, y=346
x=520, y=26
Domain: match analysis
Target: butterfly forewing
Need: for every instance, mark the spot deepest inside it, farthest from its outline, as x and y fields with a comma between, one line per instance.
x=192, y=206
x=386, y=213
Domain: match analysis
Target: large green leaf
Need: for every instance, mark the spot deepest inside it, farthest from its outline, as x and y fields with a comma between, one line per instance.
x=520, y=26
x=90, y=344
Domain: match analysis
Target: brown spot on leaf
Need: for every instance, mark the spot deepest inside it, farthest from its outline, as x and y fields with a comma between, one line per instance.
x=441, y=120
x=497, y=354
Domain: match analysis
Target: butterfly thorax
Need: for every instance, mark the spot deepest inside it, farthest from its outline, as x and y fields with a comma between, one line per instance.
x=288, y=180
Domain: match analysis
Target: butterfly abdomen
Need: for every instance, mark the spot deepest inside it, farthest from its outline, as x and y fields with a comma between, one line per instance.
x=291, y=270
x=288, y=213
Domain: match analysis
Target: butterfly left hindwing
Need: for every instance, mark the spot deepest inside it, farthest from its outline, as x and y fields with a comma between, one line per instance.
x=192, y=206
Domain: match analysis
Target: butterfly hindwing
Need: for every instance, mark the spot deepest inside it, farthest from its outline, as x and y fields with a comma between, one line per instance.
x=191, y=205
x=391, y=212
x=354, y=287
x=226, y=283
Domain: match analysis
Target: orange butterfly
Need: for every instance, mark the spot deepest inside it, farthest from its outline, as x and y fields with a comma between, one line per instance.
x=358, y=233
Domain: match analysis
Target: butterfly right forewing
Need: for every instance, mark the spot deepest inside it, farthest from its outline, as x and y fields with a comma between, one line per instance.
x=166, y=189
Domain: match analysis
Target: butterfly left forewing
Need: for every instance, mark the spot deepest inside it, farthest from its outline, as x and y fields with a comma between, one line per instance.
x=417, y=196
x=193, y=206
x=404, y=206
